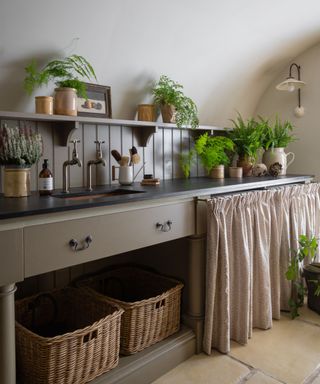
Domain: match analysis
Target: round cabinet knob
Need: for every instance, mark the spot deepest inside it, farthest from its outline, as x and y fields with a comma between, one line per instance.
x=164, y=227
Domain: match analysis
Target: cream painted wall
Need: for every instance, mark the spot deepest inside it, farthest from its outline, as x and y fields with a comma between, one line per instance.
x=224, y=52
x=307, y=128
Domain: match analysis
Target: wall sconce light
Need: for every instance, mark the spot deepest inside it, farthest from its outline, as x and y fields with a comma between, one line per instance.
x=290, y=85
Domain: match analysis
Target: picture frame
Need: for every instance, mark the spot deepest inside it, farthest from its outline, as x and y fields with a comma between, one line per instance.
x=98, y=103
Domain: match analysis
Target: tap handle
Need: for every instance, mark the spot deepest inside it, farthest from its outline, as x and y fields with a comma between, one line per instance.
x=75, y=149
x=98, y=147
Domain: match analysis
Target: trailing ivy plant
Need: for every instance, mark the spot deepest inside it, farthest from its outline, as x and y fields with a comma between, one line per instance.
x=169, y=92
x=307, y=249
x=247, y=136
x=65, y=73
x=278, y=135
x=213, y=150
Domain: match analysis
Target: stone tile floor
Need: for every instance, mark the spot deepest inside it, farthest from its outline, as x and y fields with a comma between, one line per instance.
x=289, y=353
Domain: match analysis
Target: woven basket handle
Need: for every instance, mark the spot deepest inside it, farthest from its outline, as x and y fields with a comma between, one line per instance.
x=40, y=300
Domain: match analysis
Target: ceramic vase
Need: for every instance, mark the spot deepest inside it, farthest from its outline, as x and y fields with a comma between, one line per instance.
x=146, y=112
x=235, y=172
x=277, y=155
x=44, y=104
x=65, y=101
x=217, y=172
x=246, y=162
x=16, y=181
x=168, y=113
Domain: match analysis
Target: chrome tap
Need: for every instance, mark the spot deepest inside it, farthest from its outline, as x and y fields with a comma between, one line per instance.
x=98, y=160
x=74, y=161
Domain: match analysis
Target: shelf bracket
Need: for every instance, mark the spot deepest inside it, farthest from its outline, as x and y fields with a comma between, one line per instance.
x=64, y=130
x=143, y=134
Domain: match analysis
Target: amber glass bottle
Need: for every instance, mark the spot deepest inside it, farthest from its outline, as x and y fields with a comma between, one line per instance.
x=45, y=180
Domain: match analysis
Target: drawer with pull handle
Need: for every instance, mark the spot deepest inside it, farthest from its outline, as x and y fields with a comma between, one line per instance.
x=58, y=245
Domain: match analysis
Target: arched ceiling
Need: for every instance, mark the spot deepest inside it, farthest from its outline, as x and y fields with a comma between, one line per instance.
x=225, y=53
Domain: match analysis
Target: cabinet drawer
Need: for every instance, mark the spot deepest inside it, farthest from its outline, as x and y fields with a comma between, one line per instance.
x=47, y=246
x=11, y=256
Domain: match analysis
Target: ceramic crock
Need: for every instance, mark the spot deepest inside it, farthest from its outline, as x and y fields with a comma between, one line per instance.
x=277, y=155
x=16, y=181
x=65, y=101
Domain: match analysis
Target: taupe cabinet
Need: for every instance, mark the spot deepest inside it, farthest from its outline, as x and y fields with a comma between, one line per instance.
x=37, y=244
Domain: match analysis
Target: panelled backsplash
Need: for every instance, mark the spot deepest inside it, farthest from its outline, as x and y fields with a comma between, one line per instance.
x=161, y=156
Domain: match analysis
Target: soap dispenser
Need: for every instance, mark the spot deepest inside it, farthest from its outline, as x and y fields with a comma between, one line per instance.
x=45, y=179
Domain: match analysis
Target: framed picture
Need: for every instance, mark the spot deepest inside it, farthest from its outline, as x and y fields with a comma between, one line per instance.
x=98, y=103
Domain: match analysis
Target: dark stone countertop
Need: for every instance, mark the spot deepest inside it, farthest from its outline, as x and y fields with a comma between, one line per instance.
x=202, y=186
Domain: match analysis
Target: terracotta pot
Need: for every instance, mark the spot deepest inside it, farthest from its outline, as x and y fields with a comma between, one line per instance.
x=235, y=172
x=277, y=155
x=65, y=101
x=246, y=162
x=168, y=113
x=16, y=181
x=146, y=112
x=44, y=104
x=217, y=172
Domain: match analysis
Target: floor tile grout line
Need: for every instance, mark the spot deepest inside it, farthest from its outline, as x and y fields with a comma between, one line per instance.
x=309, y=322
x=311, y=378
x=254, y=370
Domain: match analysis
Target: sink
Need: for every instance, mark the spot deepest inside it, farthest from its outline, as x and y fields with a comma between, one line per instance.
x=95, y=194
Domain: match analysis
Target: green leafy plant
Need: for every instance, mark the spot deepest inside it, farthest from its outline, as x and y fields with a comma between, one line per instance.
x=186, y=160
x=64, y=72
x=307, y=249
x=278, y=135
x=213, y=150
x=247, y=136
x=169, y=92
x=19, y=146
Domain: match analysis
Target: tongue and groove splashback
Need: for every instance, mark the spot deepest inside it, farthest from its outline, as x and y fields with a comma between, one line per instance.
x=161, y=155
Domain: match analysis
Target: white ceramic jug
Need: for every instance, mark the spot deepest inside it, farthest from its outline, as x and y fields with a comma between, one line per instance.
x=277, y=155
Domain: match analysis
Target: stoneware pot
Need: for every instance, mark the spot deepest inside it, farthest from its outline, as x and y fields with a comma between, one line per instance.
x=217, y=172
x=16, y=181
x=235, y=172
x=168, y=113
x=246, y=162
x=277, y=155
x=44, y=104
x=146, y=112
x=65, y=101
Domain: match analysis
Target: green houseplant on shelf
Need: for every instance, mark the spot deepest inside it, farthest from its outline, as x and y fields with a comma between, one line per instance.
x=307, y=250
x=174, y=105
x=247, y=137
x=19, y=149
x=214, y=153
x=276, y=138
x=67, y=74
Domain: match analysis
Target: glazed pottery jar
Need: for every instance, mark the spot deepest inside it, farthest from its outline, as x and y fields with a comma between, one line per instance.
x=277, y=155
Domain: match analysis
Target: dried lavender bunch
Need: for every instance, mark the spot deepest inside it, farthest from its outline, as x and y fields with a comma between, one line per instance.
x=19, y=146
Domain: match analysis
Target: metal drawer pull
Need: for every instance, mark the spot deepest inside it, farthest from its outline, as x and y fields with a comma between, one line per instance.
x=165, y=227
x=74, y=244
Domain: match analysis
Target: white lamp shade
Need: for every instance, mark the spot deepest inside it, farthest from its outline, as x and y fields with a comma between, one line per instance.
x=290, y=84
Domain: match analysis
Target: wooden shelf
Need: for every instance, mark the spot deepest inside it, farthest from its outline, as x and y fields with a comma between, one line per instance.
x=65, y=125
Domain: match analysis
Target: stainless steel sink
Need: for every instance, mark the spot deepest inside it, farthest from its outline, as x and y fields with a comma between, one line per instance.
x=80, y=196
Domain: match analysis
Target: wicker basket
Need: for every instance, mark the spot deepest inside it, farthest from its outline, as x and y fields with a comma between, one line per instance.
x=66, y=337
x=151, y=303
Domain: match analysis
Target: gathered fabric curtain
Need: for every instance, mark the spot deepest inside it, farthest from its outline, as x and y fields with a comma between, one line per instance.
x=250, y=237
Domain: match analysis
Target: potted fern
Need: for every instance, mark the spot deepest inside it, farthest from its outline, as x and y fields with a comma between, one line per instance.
x=65, y=73
x=174, y=105
x=19, y=149
x=276, y=138
x=247, y=136
x=214, y=153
